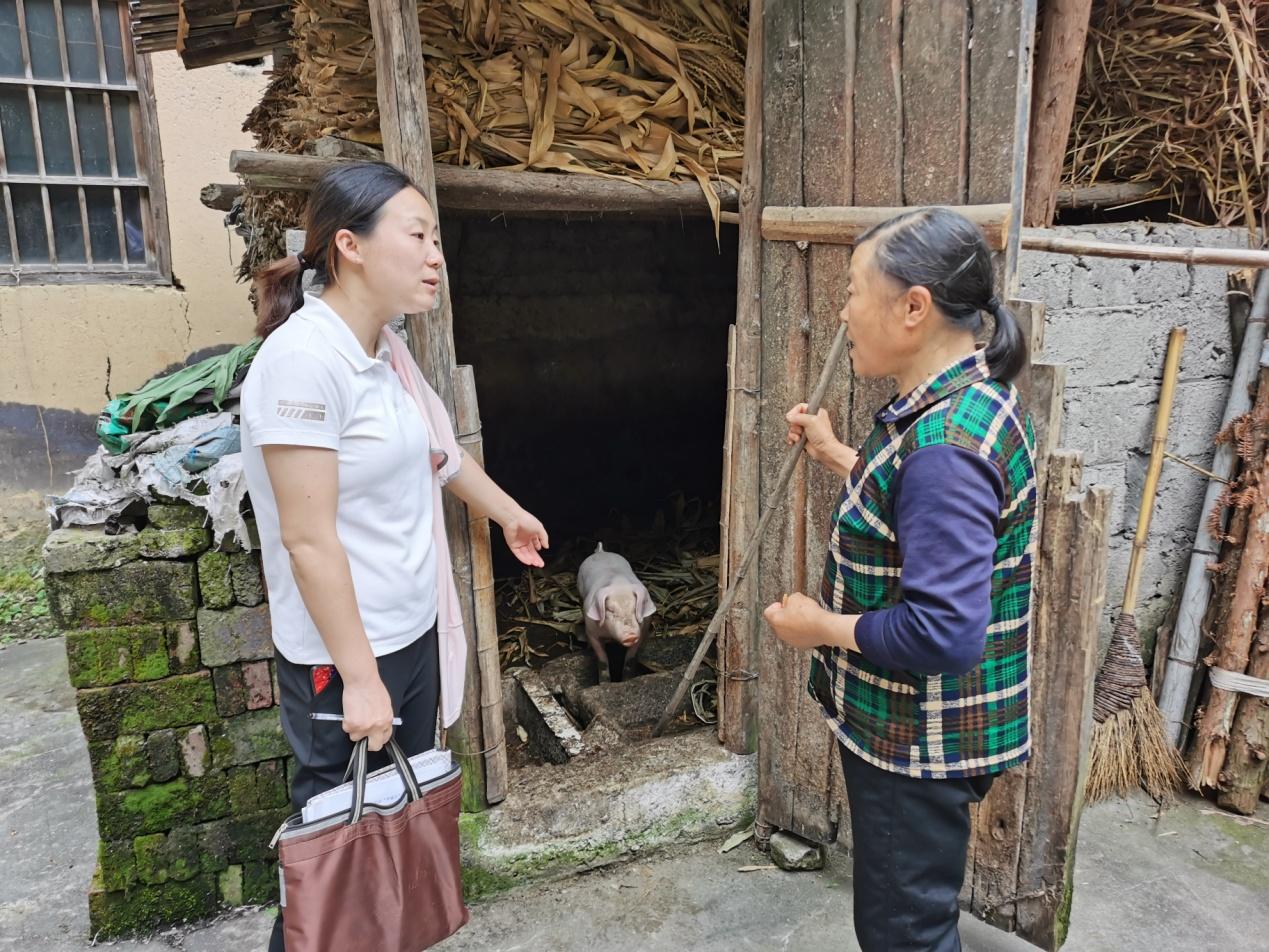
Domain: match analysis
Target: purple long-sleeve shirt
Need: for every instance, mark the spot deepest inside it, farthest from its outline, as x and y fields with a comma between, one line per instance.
x=947, y=504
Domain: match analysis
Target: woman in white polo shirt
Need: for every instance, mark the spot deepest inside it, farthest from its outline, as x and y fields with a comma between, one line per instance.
x=342, y=467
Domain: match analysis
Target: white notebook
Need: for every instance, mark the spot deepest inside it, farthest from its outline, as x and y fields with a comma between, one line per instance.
x=383, y=787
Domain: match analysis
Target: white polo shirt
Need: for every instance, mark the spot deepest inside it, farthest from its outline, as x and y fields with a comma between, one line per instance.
x=312, y=384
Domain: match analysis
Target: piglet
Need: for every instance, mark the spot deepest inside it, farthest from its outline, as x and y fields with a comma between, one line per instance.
x=616, y=606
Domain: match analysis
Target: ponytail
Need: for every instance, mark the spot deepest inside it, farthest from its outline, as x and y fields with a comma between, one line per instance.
x=944, y=252
x=1006, y=351
x=349, y=197
x=279, y=293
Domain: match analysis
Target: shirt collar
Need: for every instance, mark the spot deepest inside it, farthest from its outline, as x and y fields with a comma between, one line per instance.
x=964, y=373
x=340, y=336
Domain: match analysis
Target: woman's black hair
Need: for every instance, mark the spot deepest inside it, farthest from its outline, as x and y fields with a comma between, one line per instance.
x=348, y=196
x=944, y=251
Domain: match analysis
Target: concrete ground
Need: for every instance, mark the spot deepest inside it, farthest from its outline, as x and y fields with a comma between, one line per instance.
x=1191, y=879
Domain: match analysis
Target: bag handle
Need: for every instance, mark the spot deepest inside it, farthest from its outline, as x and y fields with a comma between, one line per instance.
x=357, y=770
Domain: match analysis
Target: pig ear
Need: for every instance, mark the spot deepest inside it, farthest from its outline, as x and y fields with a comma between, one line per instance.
x=645, y=606
x=594, y=606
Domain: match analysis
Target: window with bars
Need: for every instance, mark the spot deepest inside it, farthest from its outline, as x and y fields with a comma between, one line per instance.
x=81, y=196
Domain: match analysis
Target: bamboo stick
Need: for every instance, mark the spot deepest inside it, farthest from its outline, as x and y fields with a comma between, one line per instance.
x=485, y=605
x=773, y=503
x=1110, y=193
x=1174, y=696
x=842, y=225
x=1246, y=766
x=1034, y=240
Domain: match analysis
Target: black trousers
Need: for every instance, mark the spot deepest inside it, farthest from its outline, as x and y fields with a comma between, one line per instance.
x=412, y=676
x=911, y=837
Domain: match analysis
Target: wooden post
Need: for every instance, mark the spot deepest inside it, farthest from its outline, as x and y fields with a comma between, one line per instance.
x=1059, y=60
x=485, y=605
x=402, y=96
x=738, y=646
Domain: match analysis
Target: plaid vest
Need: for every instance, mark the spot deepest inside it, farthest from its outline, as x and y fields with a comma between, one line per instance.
x=933, y=726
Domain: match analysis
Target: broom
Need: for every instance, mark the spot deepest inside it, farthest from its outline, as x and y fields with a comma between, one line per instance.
x=1129, y=747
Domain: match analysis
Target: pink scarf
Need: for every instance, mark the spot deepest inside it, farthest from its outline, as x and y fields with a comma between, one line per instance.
x=446, y=460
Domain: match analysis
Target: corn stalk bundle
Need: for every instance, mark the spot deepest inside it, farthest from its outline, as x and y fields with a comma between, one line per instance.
x=643, y=89
x=1176, y=95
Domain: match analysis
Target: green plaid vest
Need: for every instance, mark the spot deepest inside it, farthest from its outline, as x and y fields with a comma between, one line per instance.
x=933, y=726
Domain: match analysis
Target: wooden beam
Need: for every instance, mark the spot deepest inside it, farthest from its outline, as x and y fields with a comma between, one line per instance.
x=1059, y=58
x=1109, y=193
x=843, y=225
x=1036, y=240
x=499, y=190
x=219, y=196
x=402, y=96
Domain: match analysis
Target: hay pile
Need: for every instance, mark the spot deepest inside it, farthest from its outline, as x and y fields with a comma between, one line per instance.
x=649, y=89
x=1177, y=95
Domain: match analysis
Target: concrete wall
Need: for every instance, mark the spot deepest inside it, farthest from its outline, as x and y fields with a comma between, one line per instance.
x=65, y=349
x=1108, y=321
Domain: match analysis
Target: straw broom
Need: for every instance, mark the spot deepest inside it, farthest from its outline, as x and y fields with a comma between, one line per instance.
x=1129, y=747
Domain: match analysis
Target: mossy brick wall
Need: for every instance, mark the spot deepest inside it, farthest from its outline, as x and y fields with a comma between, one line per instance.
x=169, y=649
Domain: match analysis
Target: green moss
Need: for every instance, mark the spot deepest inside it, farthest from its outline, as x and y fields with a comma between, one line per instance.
x=230, y=882
x=148, y=649
x=162, y=806
x=96, y=657
x=120, y=763
x=215, y=584
x=176, y=516
x=260, y=882
x=128, y=595
x=251, y=834
x=116, y=864
x=119, y=912
x=135, y=708
x=250, y=738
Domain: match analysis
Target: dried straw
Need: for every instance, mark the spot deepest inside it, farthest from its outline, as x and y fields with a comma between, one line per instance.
x=644, y=89
x=1176, y=95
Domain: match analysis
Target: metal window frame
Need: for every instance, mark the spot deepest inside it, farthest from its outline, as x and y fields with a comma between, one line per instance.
x=147, y=150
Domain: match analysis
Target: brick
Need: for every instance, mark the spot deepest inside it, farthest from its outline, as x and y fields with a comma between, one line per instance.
x=160, y=807
x=248, y=583
x=231, y=690
x=215, y=845
x=162, y=857
x=176, y=516
x=149, y=653
x=230, y=884
x=88, y=550
x=259, y=883
x=178, y=701
x=242, y=790
x=271, y=784
x=215, y=584
x=182, y=647
x=259, y=685
x=247, y=739
x=195, y=752
x=116, y=864
x=163, y=753
x=237, y=634
x=96, y=657
x=131, y=594
x=120, y=763
x=116, y=913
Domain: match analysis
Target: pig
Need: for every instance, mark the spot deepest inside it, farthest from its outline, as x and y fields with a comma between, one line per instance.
x=616, y=606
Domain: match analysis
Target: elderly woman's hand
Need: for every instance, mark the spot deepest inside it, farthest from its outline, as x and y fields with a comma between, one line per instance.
x=822, y=445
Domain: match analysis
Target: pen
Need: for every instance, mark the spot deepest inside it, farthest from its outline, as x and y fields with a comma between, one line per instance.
x=339, y=717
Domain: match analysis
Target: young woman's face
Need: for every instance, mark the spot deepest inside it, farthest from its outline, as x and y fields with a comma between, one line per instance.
x=401, y=258
x=881, y=338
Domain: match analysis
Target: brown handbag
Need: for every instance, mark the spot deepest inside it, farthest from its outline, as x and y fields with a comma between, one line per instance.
x=375, y=877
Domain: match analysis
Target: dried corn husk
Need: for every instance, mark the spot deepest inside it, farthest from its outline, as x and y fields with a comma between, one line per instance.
x=652, y=89
x=1177, y=95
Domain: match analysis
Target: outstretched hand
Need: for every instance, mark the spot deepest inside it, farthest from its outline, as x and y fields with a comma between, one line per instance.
x=526, y=538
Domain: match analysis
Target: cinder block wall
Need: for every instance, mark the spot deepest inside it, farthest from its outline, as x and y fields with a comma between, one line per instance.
x=168, y=644
x=1108, y=322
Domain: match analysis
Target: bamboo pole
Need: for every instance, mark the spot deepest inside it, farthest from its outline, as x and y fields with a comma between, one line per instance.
x=1035, y=240
x=843, y=224
x=1246, y=766
x=485, y=605
x=738, y=640
x=1183, y=655
x=1058, y=58
x=773, y=503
